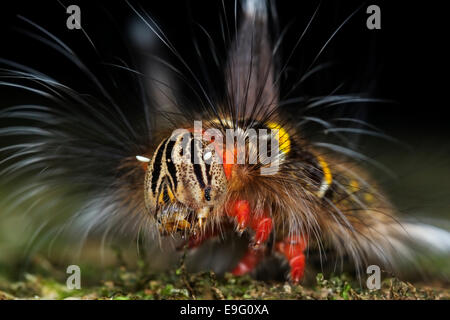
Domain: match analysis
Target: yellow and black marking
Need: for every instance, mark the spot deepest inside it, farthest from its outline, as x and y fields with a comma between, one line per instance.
x=342, y=190
x=284, y=141
x=180, y=182
x=327, y=179
x=165, y=195
x=274, y=130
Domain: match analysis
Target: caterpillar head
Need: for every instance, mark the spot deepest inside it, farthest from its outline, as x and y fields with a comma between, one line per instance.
x=185, y=180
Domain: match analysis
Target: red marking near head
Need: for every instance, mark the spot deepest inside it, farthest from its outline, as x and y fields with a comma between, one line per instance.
x=228, y=167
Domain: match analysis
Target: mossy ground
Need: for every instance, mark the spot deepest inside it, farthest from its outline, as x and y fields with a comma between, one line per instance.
x=123, y=284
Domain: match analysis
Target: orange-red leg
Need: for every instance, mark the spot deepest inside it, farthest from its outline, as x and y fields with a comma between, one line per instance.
x=248, y=262
x=260, y=223
x=293, y=248
x=240, y=210
x=263, y=227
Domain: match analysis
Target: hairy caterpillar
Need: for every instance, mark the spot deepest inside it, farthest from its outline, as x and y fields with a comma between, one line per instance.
x=122, y=167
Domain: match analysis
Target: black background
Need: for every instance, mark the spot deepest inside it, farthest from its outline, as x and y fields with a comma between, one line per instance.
x=406, y=61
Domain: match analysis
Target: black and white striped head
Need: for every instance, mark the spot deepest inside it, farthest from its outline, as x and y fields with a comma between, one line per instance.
x=184, y=181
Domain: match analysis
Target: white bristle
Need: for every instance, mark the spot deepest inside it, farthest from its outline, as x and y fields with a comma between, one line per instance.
x=254, y=7
x=142, y=159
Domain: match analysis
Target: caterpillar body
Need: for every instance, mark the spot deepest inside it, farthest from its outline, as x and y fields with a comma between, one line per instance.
x=161, y=174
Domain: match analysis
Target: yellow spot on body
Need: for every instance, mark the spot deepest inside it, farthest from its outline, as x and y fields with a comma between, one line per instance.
x=327, y=177
x=368, y=197
x=354, y=186
x=283, y=137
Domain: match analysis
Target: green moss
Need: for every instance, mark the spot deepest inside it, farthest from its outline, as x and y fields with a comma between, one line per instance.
x=123, y=284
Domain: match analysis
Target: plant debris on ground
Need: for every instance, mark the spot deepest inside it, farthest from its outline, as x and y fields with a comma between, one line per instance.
x=123, y=284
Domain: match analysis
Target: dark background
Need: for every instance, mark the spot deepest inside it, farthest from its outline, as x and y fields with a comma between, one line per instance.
x=405, y=61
